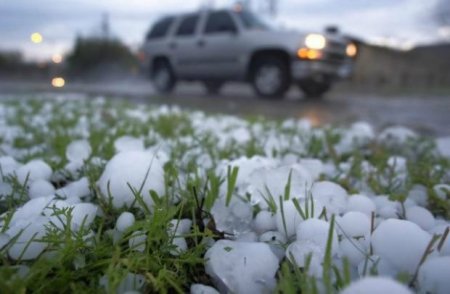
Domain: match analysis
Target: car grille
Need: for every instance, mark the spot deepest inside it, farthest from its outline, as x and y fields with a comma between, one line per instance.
x=336, y=46
x=335, y=57
x=335, y=52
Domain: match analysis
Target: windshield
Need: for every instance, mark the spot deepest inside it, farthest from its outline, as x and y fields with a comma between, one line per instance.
x=252, y=21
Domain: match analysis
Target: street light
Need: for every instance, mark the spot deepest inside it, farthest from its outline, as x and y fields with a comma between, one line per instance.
x=57, y=58
x=36, y=38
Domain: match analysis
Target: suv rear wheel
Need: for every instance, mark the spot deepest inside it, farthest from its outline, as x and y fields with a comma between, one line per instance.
x=270, y=77
x=163, y=77
x=213, y=87
x=313, y=88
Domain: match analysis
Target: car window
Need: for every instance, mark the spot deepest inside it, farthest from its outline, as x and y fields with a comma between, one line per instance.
x=219, y=22
x=251, y=21
x=188, y=25
x=161, y=28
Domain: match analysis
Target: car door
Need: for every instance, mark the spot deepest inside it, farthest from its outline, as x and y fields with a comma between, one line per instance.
x=183, y=46
x=219, y=46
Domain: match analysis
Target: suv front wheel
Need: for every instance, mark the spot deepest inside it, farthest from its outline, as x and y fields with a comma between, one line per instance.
x=163, y=77
x=270, y=77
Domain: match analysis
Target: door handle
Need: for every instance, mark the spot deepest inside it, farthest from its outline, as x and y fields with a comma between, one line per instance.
x=201, y=43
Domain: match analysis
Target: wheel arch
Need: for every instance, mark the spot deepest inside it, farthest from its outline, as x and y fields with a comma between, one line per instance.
x=158, y=60
x=264, y=53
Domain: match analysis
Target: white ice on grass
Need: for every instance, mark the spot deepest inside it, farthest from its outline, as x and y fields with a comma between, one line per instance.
x=131, y=283
x=288, y=217
x=30, y=210
x=267, y=182
x=376, y=285
x=316, y=231
x=5, y=189
x=401, y=242
x=276, y=241
x=443, y=146
x=128, y=143
x=176, y=229
x=331, y=195
x=246, y=167
x=28, y=244
x=396, y=136
x=4, y=239
x=361, y=203
x=375, y=263
x=74, y=168
x=434, y=276
x=8, y=165
x=236, y=218
x=273, y=237
x=298, y=252
x=202, y=289
x=359, y=134
x=124, y=221
x=139, y=170
x=354, y=249
x=419, y=195
x=442, y=191
x=34, y=170
x=138, y=241
x=83, y=214
x=264, y=221
x=180, y=227
x=386, y=208
x=314, y=166
x=240, y=267
x=78, y=188
x=421, y=217
x=41, y=188
x=353, y=224
x=78, y=151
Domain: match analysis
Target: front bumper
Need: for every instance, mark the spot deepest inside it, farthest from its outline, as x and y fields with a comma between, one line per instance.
x=304, y=69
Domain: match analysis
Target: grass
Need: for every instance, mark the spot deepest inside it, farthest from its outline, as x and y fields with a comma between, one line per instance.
x=77, y=260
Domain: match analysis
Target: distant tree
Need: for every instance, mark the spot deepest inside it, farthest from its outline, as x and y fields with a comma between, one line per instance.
x=91, y=54
x=10, y=60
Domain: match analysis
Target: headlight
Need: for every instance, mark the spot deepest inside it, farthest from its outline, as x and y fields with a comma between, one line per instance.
x=315, y=41
x=351, y=50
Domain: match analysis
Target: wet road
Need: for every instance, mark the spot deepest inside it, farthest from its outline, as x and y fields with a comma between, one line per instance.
x=427, y=115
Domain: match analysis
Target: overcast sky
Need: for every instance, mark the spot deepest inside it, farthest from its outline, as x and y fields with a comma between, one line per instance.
x=400, y=21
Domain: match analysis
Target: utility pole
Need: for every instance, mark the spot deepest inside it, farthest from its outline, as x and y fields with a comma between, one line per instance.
x=269, y=7
x=105, y=29
x=273, y=7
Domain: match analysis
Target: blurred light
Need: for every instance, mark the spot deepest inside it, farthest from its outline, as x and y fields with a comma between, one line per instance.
x=351, y=50
x=141, y=56
x=57, y=58
x=238, y=7
x=315, y=41
x=444, y=32
x=314, y=117
x=58, y=82
x=305, y=53
x=36, y=38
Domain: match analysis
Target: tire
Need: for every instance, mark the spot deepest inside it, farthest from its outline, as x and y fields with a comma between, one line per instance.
x=314, y=89
x=270, y=77
x=213, y=87
x=163, y=78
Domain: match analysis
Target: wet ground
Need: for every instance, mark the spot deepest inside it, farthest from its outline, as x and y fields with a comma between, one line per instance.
x=429, y=115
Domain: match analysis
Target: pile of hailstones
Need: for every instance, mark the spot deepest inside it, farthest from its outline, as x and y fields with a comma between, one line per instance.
x=371, y=231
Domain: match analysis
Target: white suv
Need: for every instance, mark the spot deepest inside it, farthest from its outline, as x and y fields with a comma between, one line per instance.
x=226, y=45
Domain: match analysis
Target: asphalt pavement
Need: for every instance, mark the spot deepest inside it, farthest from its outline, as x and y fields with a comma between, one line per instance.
x=429, y=115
